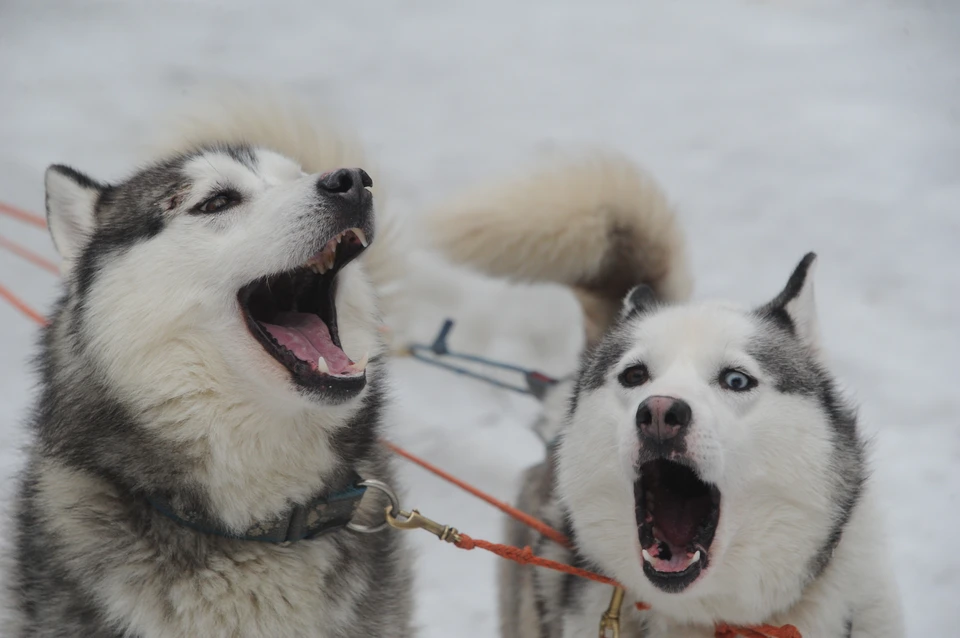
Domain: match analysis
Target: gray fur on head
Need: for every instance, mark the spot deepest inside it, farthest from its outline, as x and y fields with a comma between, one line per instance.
x=788, y=350
x=640, y=299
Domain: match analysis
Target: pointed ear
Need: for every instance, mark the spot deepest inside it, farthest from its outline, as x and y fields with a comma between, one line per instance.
x=640, y=299
x=795, y=307
x=71, y=205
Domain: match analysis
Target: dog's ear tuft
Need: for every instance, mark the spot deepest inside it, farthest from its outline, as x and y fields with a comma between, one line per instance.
x=640, y=299
x=71, y=210
x=795, y=307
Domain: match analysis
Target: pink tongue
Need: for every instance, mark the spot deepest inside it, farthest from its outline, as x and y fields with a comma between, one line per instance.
x=308, y=338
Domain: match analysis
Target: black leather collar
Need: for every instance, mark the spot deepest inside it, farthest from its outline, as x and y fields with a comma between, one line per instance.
x=324, y=513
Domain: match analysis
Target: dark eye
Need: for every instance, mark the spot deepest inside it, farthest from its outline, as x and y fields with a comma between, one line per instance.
x=737, y=381
x=220, y=201
x=634, y=376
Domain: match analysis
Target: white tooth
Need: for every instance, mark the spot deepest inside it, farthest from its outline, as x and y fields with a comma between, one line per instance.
x=360, y=236
x=339, y=237
x=361, y=365
x=696, y=557
x=322, y=366
x=646, y=556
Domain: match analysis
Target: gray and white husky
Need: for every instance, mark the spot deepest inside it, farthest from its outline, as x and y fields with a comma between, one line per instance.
x=704, y=456
x=212, y=389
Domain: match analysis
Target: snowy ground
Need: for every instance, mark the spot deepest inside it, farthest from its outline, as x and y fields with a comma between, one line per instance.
x=778, y=127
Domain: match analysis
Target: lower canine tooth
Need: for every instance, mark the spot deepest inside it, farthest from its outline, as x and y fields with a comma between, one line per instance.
x=696, y=557
x=646, y=556
x=322, y=366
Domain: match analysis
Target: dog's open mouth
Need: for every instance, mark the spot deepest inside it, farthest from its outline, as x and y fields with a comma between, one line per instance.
x=677, y=516
x=294, y=316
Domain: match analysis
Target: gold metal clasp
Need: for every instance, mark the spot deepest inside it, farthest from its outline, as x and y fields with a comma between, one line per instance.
x=610, y=621
x=416, y=520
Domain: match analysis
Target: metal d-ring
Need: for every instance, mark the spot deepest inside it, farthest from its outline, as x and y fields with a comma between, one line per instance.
x=394, y=507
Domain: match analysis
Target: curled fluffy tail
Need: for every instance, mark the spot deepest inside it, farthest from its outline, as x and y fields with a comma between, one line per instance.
x=599, y=226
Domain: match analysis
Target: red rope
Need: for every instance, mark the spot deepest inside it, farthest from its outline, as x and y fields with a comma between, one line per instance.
x=22, y=306
x=526, y=556
x=506, y=508
x=22, y=215
x=29, y=255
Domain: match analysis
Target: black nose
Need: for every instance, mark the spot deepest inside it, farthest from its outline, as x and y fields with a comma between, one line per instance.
x=344, y=181
x=663, y=418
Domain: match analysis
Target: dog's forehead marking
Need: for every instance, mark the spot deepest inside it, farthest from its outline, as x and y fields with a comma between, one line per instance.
x=705, y=332
x=252, y=170
x=702, y=333
x=214, y=167
x=709, y=332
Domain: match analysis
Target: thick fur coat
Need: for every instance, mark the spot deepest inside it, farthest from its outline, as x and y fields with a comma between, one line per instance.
x=159, y=379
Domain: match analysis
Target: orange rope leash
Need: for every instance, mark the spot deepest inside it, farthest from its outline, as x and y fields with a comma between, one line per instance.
x=22, y=215
x=506, y=508
x=29, y=255
x=524, y=556
x=22, y=306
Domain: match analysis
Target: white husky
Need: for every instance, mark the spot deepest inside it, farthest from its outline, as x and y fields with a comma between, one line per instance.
x=704, y=458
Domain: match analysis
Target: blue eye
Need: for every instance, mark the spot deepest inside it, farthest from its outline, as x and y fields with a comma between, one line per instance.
x=737, y=381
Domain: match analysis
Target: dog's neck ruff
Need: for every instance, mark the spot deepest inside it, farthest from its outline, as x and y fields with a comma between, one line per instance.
x=326, y=512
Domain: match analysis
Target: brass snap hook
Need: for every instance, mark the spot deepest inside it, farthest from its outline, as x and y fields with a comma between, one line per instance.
x=416, y=520
x=400, y=519
x=610, y=621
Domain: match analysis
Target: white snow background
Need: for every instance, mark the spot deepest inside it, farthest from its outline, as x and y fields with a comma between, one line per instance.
x=778, y=127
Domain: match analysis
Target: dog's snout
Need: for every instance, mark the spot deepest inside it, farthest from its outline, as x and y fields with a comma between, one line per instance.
x=344, y=181
x=663, y=418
